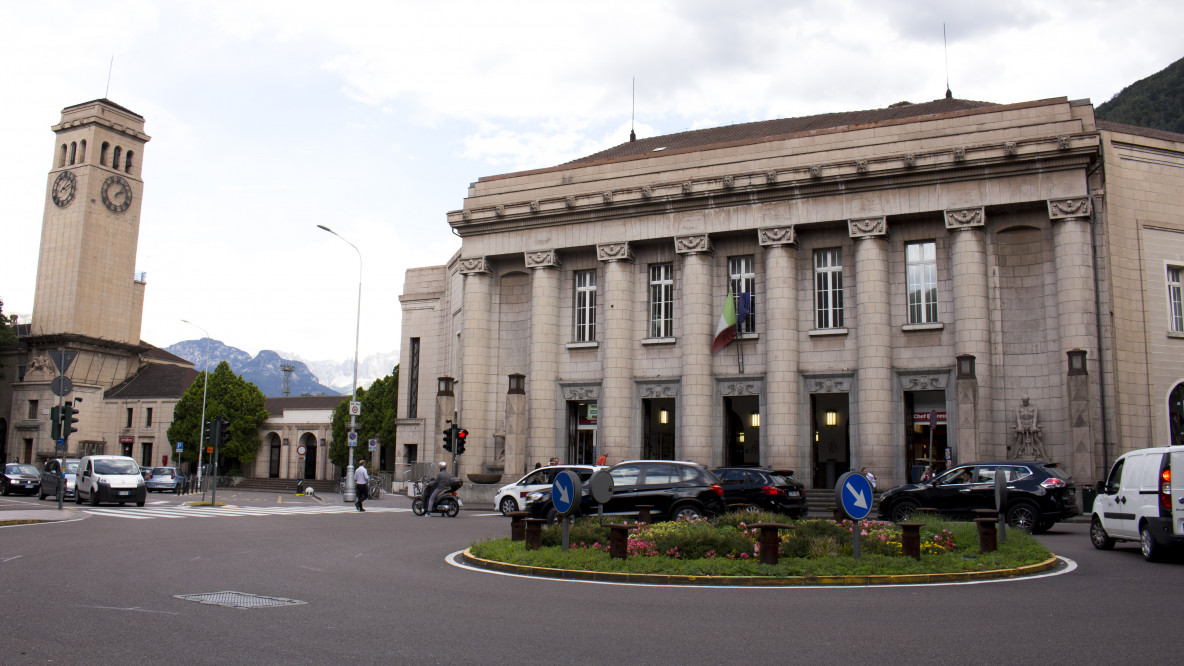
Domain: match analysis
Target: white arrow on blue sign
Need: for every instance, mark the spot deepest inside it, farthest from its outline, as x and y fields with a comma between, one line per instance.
x=564, y=492
x=854, y=494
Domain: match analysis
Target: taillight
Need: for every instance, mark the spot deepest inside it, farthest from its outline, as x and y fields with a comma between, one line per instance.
x=1052, y=482
x=717, y=489
x=771, y=491
x=1165, y=489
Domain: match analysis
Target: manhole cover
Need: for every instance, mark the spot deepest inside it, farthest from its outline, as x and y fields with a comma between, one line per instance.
x=239, y=600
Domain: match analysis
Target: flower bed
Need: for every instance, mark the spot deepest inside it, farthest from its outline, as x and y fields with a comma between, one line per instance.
x=728, y=546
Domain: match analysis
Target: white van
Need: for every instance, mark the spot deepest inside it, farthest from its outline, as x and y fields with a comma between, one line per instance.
x=109, y=479
x=1139, y=501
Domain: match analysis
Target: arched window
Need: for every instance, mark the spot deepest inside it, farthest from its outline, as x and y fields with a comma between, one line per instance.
x=73, y=152
x=128, y=162
x=115, y=158
x=82, y=151
x=102, y=153
x=62, y=158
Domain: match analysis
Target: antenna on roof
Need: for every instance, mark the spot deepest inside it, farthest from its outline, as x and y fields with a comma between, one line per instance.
x=109, y=68
x=633, y=112
x=946, y=51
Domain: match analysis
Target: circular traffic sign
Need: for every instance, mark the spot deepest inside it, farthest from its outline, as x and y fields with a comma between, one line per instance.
x=565, y=492
x=601, y=486
x=301, y=450
x=853, y=494
x=61, y=385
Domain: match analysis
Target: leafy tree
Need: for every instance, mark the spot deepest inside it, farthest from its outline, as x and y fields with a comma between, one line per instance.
x=7, y=334
x=231, y=398
x=380, y=404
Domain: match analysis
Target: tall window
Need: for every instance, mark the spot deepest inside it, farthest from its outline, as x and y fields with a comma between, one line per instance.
x=661, y=300
x=585, y=306
x=148, y=418
x=921, y=268
x=828, y=288
x=1175, y=299
x=129, y=418
x=413, y=382
x=742, y=280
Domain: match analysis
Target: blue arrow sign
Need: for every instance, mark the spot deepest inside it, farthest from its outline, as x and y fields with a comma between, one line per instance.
x=564, y=493
x=854, y=494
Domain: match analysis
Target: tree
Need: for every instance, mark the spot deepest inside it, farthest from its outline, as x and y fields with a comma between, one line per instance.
x=231, y=398
x=7, y=334
x=380, y=405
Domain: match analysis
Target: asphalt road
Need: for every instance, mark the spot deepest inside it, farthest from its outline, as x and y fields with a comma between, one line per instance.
x=378, y=589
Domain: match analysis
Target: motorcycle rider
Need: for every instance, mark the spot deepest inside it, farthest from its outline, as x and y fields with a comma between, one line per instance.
x=442, y=483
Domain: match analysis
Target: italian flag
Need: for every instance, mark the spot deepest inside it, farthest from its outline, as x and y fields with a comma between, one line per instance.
x=725, y=330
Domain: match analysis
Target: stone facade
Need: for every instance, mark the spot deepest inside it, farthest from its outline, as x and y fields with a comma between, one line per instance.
x=977, y=249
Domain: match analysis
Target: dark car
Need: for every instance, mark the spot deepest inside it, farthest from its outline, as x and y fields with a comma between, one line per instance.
x=1038, y=494
x=764, y=489
x=52, y=479
x=20, y=478
x=673, y=488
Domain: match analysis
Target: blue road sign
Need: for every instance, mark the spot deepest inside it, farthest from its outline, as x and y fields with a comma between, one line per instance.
x=854, y=494
x=180, y=445
x=564, y=492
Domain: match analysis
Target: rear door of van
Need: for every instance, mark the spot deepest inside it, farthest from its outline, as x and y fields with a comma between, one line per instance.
x=1177, y=492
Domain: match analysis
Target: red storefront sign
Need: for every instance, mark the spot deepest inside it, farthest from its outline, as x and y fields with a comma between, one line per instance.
x=127, y=440
x=922, y=418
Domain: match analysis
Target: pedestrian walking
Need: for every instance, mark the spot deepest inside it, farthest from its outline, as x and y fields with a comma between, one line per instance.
x=871, y=478
x=361, y=485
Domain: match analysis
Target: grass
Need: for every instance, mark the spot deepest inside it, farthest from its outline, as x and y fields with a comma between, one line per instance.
x=725, y=546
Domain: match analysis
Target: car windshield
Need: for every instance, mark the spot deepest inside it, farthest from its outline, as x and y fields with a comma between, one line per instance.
x=116, y=467
x=21, y=469
x=70, y=467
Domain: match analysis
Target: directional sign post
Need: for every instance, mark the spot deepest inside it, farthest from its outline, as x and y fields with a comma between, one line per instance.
x=565, y=497
x=853, y=494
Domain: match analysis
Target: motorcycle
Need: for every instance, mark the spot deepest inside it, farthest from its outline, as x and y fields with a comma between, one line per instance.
x=447, y=502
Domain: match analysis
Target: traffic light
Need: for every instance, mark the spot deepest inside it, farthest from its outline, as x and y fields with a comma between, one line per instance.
x=223, y=431
x=69, y=418
x=448, y=439
x=55, y=423
x=461, y=435
x=211, y=431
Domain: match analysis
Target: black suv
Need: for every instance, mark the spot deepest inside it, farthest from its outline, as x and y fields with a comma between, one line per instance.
x=673, y=488
x=1038, y=494
x=761, y=488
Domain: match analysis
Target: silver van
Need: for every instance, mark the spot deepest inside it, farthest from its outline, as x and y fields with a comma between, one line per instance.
x=109, y=479
x=1140, y=501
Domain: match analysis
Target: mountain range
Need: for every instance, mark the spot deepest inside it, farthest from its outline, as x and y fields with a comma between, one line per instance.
x=264, y=369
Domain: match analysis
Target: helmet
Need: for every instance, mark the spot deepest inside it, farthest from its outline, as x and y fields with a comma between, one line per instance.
x=443, y=464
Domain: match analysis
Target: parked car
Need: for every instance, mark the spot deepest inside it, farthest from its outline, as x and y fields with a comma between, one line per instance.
x=512, y=497
x=164, y=479
x=673, y=488
x=1140, y=501
x=58, y=472
x=19, y=478
x=1038, y=494
x=763, y=489
x=109, y=479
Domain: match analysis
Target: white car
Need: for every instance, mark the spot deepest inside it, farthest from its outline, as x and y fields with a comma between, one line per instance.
x=512, y=497
x=109, y=479
x=1141, y=501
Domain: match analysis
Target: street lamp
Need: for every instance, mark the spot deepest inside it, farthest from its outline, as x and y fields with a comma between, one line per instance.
x=349, y=495
x=205, y=381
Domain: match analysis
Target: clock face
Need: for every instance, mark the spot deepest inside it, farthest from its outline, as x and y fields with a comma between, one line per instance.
x=117, y=193
x=63, y=189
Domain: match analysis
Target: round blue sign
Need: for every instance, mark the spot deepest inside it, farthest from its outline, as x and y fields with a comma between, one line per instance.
x=564, y=492
x=854, y=494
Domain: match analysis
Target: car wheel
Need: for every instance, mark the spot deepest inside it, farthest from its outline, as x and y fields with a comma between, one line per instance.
x=1023, y=516
x=553, y=516
x=41, y=493
x=1098, y=536
x=508, y=505
x=140, y=502
x=94, y=497
x=1152, y=552
x=4, y=489
x=903, y=511
x=77, y=497
x=685, y=512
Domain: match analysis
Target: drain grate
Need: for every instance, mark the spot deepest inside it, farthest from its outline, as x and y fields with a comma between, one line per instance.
x=231, y=599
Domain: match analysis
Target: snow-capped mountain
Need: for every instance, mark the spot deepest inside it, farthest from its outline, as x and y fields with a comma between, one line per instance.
x=340, y=374
x=264, y=370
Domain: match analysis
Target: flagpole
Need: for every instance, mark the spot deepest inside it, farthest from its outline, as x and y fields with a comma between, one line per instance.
x=739, y=348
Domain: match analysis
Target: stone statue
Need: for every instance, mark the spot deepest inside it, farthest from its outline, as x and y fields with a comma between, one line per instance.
x=1028, y=443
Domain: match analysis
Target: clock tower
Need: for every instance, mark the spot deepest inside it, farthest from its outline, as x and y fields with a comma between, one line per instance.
x=86, y=281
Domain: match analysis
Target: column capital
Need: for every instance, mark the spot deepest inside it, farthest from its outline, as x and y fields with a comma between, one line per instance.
x=1063, y=209
x=609, y=252
x=543, y=259
x=776, y=236
x=965, y=218
x=474, y=266
x=868, y=227
x=693, y=244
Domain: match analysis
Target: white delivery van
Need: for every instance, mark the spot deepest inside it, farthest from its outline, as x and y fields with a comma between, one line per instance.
x=1140, y=501
x=109, y=479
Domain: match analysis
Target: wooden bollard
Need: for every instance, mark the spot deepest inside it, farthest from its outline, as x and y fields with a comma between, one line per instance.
x=618, y=540
x=534, y=533
x=988, y=538
x=643, y=513
x=910, y=539
x=517, y=525
x=770, y=540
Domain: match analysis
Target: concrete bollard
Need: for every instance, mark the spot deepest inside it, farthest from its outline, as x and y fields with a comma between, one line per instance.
x=517, y=525
x=534, y=533
x=910, y=540
x=770, y=540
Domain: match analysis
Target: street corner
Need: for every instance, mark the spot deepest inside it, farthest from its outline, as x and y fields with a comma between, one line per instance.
x=12, y=517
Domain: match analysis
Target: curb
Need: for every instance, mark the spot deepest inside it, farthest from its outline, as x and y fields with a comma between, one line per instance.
x=774, y=581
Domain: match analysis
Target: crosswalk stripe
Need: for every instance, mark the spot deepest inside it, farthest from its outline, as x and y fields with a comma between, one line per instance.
x=143, y=513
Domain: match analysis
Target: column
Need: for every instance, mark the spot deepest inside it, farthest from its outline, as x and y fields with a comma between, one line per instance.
x=1075, y=320
x=616, y=395
x=779, y=437
x=873, y=445
x=542, y=409
x=477, y=363
x=694, y=409
x=970, y=415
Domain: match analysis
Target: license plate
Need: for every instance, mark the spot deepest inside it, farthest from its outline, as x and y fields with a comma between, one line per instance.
x=125, y=492
x=792, y=493
x=28, y=485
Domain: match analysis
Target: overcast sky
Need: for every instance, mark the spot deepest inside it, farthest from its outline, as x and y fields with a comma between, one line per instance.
x=372, y=118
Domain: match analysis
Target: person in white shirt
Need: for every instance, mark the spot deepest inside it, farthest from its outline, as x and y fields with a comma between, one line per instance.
x=361, y=489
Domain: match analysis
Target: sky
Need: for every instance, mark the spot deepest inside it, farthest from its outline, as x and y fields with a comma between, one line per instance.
x=269, y=118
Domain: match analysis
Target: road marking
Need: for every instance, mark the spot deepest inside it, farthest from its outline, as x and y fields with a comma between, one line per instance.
x=146, y=513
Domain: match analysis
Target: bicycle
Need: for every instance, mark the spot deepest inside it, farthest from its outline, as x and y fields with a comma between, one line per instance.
x=374, y=485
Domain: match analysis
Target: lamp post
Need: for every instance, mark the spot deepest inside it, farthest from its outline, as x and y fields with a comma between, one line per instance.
x=205, y=381
x=349, y=494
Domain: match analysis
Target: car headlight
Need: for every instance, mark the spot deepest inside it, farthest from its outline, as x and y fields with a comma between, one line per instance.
x=104, y=482
x=534, y=497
